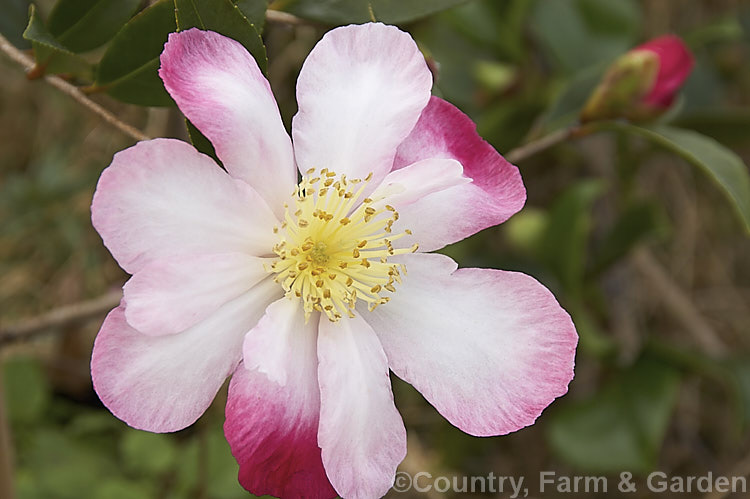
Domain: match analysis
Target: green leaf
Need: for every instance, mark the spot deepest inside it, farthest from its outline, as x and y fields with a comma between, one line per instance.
x=37, y=32
x=200, y=142
x=723, y=166
x=621, y=427
x=567, y=105
x=27, y=392
x=128, y=70
x=361, y=11
x=254, y=10
x=580, y=33
x=14, y=19
x=224, y=17
x=637, y=222
x=82, y=25
x=563, y=246
x=148, y=453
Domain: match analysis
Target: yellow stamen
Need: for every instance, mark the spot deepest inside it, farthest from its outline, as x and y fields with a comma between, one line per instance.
x=334, y=249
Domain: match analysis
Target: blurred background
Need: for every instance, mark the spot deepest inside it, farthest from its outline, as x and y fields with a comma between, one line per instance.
x=638, y=244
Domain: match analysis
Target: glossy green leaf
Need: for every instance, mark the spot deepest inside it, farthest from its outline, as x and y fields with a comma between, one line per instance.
x=37, y=32
x=621, y=427
x=128, y=70
x=360, y=11
x=254, y=10
x=224, y=17
x=722, y=165
x=13, y=21
x=82, y=25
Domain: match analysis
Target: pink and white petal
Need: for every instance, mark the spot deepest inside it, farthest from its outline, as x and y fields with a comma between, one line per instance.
x=494, y=195
x=164, y=383
x=276, y=336
x=169, y=296
x=488, y=349
x=162, y=198
x=217, y=84
x=361, y=433
x=272, y=426
x=360, y=93
x=412, y=183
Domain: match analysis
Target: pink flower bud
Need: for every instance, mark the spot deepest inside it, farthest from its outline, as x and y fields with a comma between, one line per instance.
x=642, y=83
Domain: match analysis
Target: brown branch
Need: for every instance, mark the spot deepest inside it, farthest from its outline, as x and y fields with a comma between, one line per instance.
x=280, y=17
x=27, y=63
x=678, y=303
x=64, y=316
x=535, y=147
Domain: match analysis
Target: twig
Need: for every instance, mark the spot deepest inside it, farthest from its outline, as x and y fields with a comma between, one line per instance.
x=6, y=449
x=60, y=317
x=279, y=17
x=535, y=147
x=27, y=63
x=675, y=301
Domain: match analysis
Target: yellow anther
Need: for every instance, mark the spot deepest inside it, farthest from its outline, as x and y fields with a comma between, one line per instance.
x=321, y=252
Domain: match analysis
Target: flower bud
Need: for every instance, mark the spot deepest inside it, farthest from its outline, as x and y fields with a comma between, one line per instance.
x=641, y=84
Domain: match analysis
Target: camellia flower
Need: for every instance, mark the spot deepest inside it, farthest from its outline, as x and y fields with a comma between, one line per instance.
x=309, y=292
x=641, y=84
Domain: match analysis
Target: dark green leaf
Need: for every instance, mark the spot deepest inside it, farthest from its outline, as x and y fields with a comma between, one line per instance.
x=14, y=19
x=622, y=426
x=730, y=126
x=223, y=17
x=129, y=68
x=200, y=141
x=37, y=32
x=723, y=166
x=148, y=453
x=566, y=107
x=580, y=33
x=81, y=25
x=636, y=223
x=27, y=392
x=361, y=11
x=254, y=10
x=564, y=243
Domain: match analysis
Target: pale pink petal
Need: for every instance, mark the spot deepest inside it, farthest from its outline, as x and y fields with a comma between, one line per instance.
x=162, y=198
x=495, y=193
x=360, y=93
x=277, y=336
x=410, y=184
x=489, y=349
x=164, y=383
x=169, y=296
x=361, y=432
x=272, y=427
x=217, y=84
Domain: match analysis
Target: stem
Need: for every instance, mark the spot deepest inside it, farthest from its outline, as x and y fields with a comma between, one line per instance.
x=535, y=147
x=279, y=17
x=675, y=301
x=27, y=63
x=59, y=317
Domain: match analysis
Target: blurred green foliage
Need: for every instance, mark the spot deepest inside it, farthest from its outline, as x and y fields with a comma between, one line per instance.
x=521, y=69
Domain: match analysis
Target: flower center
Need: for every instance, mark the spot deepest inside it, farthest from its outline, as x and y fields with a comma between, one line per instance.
x=334, y=249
